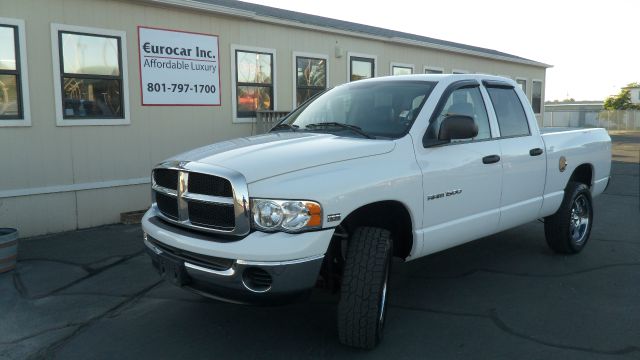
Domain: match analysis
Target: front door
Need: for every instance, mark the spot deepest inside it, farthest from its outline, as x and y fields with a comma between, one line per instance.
x=462, y=179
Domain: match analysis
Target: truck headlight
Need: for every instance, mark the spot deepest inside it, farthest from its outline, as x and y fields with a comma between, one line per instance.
x=285, y=215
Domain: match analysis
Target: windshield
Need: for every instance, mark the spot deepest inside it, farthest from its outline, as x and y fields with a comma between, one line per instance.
x=371, y=109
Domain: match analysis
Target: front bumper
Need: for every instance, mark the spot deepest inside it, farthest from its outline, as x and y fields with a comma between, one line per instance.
x=233, y=280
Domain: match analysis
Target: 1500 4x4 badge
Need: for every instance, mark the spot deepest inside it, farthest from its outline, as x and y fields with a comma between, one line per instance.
x=444, y=194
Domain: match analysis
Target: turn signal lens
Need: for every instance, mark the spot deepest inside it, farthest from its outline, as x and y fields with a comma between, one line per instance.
x=315, y=212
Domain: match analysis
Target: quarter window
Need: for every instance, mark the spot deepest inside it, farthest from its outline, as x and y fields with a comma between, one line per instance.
x=464, y=101
x=311, y=77
x=254, y=82
x=512, y=119
x=361, y=68
x=536, y=96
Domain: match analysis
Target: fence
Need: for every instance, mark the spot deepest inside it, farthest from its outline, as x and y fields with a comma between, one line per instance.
x=608, y=119
x=265, y=120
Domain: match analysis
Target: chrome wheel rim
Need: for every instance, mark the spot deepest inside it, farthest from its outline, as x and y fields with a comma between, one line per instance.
x=579, y=219
x=383, y=300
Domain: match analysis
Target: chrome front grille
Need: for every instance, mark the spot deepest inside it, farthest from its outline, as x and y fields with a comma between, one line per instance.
x=202, y=197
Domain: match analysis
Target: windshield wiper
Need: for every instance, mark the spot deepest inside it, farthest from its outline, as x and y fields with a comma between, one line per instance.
x=353, y=128
x=285, y=126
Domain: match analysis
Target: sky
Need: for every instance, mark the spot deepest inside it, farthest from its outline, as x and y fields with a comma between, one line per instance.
x=594, y=46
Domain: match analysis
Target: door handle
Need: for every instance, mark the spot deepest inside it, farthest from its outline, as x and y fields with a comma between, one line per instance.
x=535, y=152
x=490, y=159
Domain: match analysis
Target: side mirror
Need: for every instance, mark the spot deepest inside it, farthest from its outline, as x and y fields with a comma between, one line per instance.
x=457, y=127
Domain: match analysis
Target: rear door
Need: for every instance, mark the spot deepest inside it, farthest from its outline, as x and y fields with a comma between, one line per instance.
x=523, y=161
x=461, y=179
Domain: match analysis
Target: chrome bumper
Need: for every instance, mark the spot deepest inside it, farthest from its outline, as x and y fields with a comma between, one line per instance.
x=238, y=281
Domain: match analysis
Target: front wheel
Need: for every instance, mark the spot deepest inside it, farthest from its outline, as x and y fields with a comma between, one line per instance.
x=363, y=294
x=568, y=230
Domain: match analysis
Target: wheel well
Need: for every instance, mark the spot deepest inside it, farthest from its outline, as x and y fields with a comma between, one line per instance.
x=583, y=174
x=390, y=215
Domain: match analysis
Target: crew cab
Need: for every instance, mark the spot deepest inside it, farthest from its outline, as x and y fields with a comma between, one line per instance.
x=401, y=166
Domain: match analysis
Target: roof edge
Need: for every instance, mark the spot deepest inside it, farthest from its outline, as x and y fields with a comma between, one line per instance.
x=218, y=9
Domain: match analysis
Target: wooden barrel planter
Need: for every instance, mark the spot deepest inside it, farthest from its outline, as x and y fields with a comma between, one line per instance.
x=8, y=249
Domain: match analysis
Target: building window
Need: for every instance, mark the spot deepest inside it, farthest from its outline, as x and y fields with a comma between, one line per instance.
x=14, y=104
x=254, y=82
x=361, y=67
x=523, y=84
x=458, y=71
x=311, y=77
x=401, y=69
x=90, y=76
x=536, y=96
x=433, y=70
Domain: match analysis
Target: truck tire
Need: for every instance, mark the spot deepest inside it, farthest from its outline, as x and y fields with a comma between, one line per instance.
x=568, y=230
x=363, y=294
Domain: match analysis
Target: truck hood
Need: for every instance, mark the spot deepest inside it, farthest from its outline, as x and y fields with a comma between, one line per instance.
x=263, y=156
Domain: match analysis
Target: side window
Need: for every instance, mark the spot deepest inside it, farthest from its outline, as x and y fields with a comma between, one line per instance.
x=464, y=101
x=512, y=119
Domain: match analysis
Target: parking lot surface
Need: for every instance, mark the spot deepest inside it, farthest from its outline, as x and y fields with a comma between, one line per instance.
x=94, y=294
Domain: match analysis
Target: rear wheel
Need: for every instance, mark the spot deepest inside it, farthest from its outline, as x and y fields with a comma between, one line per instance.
x=363, y=296
x=568, y=230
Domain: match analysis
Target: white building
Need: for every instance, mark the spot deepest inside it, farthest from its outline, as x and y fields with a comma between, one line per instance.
x=91, y=96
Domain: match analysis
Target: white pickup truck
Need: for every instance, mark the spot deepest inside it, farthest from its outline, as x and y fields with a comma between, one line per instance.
x=399, y=166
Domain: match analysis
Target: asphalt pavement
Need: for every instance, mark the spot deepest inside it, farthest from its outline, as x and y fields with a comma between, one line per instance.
x=93, y=294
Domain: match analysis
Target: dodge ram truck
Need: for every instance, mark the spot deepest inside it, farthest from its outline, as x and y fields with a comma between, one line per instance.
x=401, y=166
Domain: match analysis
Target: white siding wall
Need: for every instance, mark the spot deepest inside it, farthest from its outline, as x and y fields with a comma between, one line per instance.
x=44, y=155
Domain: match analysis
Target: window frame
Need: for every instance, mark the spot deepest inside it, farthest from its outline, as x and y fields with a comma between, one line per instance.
x=235, y=119
x=432, y=68
x=526, y=84
x=402, y=66
x=351, y=55
x=460, y=71
x=296, y=55
x=22, y=83
x=541, y=95
x=58, y=61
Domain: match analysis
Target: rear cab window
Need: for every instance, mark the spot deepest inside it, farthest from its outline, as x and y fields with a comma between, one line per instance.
x=512, y=119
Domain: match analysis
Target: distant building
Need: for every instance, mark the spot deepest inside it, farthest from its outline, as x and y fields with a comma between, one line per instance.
x=634, y=91
x=572, y=114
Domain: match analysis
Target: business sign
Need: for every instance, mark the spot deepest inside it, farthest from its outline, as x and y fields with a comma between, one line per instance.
x=178, y=68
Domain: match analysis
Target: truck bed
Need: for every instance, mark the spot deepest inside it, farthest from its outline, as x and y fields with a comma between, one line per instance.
x=578, y=147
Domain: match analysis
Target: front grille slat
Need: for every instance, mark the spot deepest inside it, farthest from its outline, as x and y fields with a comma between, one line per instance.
x=209, y=185
x=211, y=215
x=166, y=178
x=168, y=205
